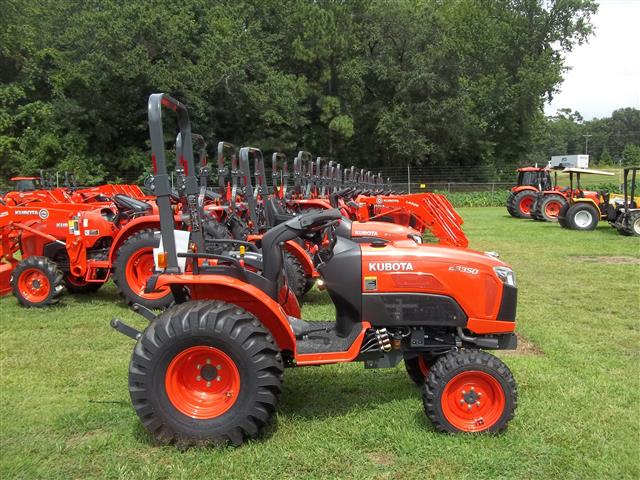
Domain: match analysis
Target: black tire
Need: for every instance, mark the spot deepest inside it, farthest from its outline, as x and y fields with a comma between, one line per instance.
x=296, y=278
x=631, y=228
x=309, y=282
x=519, y=198
x=469, y=362
x=544, y=202
x=37, y=282
x=562, y=215
x=144, y=239
x=582, y=216
x=418, y=366
x=535, y=209
x=511, y=204
x=227, y=328
x=77, y=285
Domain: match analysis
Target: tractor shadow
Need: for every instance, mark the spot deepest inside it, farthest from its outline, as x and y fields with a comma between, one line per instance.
x=330, y=391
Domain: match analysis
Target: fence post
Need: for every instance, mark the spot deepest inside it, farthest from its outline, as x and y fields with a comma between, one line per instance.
x=449, y=187
x=409, y=177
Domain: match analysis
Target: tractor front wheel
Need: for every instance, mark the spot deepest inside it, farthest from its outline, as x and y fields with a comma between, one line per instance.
x=470, y=391
x=205, y=372
x=550, y=206
x=582, y=216
x=132, y=268
x=37, y=282
x=562, y=215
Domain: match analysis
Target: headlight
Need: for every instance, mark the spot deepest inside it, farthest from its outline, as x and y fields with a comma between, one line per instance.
x=506, y=275
x=493, y=254
x=415, y=237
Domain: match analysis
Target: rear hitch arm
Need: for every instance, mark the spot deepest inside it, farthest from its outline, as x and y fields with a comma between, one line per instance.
x=125, y=329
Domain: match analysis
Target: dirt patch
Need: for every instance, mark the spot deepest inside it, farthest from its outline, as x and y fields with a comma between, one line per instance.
x=610, y=260
x=525, y=347
x=381, y=458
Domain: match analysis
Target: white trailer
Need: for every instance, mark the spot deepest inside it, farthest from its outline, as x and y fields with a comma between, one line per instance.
x=569, y=161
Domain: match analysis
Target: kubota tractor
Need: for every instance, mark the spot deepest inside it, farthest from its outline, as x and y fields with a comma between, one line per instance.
x=531, y=180
x=210, y=368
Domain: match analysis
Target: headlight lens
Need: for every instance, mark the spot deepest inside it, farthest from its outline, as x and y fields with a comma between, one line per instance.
x=416, y=238
x=506, y=275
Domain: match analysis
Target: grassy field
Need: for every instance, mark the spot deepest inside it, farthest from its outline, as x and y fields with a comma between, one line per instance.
x=65, y=410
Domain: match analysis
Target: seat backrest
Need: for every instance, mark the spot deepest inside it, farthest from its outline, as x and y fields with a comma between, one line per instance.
x=125, y=202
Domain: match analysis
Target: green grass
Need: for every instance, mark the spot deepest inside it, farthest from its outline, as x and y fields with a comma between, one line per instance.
x=65, y=411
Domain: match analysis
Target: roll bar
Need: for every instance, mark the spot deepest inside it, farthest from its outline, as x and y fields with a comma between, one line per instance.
x=162, y=184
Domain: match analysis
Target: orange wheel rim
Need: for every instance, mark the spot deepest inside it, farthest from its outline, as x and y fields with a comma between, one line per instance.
x=138, y=270
x=202, y=382
x=422, y=365
x=552, y=209
x=34, y=285
x=525, y=204
x=473, y=401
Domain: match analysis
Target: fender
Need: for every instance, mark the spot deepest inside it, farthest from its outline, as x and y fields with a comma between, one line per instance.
x=303, y=257
x=134, y=226
x=232, y=290
x=522, y=188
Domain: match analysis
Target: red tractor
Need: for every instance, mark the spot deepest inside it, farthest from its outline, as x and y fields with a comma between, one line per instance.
x=531, y=180
x=210, y=369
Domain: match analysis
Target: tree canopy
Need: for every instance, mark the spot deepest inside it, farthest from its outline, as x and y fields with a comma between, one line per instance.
x=367, y=82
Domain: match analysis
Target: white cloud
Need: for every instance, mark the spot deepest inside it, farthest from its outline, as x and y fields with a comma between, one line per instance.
x=605, y=73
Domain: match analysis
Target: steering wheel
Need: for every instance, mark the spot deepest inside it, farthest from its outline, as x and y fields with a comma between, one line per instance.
x=323, y=235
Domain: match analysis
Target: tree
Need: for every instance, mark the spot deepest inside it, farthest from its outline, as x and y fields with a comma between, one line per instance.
x=631, y=155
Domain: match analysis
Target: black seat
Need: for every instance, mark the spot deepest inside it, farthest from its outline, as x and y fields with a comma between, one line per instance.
x=125, y=202
x=211, y=195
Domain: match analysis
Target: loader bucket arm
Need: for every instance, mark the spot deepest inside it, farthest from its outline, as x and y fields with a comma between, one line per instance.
x=431, y=211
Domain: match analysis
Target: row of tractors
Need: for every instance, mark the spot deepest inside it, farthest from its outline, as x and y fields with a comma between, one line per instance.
x=539, y=197
x=57, y=237
x=228, y=250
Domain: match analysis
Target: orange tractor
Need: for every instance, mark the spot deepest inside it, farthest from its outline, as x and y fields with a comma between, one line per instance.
x=522, y=201
x=210, y=368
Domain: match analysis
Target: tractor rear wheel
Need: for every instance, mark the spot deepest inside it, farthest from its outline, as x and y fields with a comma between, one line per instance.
x=418, y=366
x=296, y=279
x=37, y=282
x=132, y=268
x=205, y=372
x=523, y=203
x=582, y=216
x=79, y=285
x=549, y=207
x=511, y=205
x=470, y=391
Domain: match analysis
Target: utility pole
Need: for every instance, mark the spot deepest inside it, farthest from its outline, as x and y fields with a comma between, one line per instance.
x=586, y=144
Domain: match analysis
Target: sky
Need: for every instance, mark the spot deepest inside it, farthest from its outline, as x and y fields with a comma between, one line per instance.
x=605, y=72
